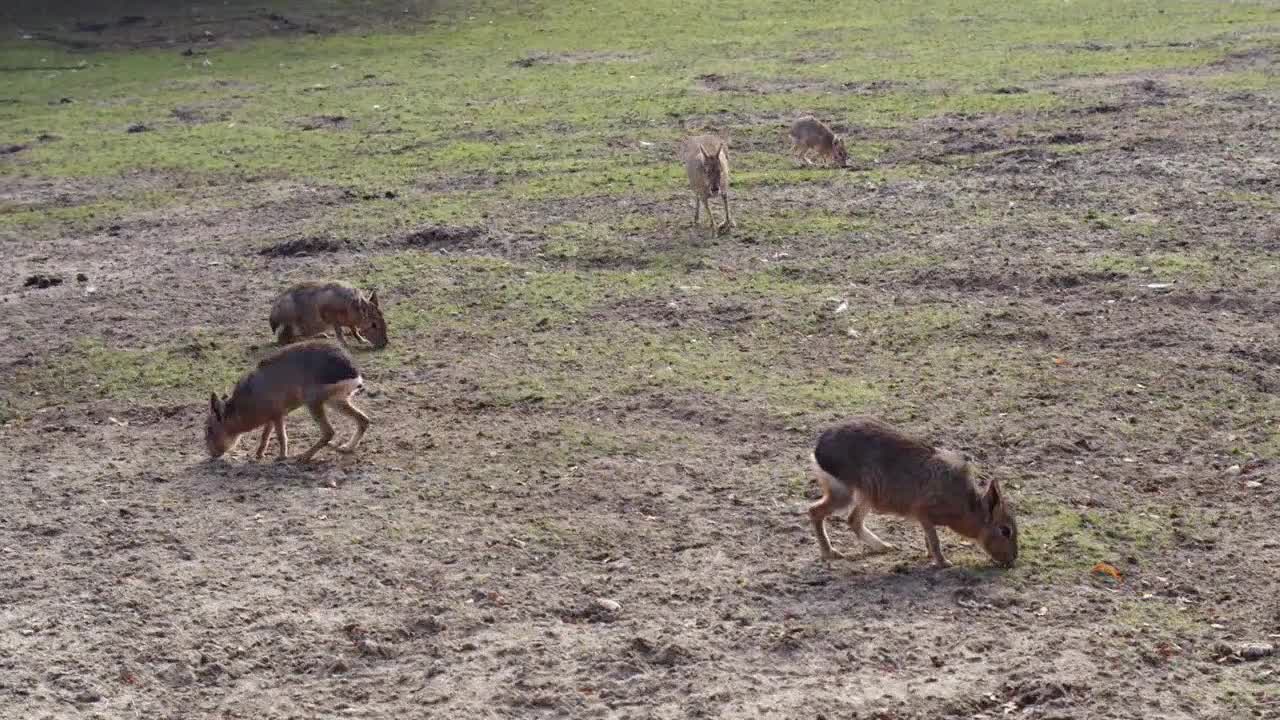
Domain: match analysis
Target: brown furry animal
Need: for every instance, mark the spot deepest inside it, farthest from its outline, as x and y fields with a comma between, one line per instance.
x=316, y=373
x=309, y=308
x=809, y=134
x=868, y=465
x=706, y=162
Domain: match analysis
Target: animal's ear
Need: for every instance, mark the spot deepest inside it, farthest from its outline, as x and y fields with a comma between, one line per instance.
x=703, y=151
x=373, y=298
x=994, y=497
x=215, y=406
x=721, y=152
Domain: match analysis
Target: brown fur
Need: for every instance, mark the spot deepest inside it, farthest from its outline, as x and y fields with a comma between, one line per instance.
x=315, y=373
x=869, y=466
x=309, y=308
x=809, y=134
x=706, y=162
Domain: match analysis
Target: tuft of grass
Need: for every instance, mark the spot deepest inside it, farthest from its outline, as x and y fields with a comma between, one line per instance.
x=1173, y=266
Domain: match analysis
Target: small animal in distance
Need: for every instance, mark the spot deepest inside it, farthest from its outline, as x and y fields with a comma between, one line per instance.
x=706, y=163
x=309, y=308
x=809, y=134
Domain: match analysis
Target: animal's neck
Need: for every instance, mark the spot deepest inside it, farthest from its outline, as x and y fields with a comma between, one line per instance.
x=240, y=416
x=970, y=522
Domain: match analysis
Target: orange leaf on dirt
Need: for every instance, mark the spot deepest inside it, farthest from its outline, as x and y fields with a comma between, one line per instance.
x=1108, y=569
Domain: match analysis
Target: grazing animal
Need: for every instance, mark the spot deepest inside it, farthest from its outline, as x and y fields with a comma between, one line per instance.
x=315, y=373
x=868, y=465
x=309, y=308
x=809, y=134
x=706, y=162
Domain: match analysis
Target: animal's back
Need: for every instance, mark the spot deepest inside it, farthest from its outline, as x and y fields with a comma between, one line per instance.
x=306, y=304
x=863, y=442
x=318, y=362
x=893, y=471
x=291, y=377
x=810, y=131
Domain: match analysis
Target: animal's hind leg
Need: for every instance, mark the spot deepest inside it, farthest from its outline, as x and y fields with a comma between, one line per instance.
x=857, y=523
x=697, y=209
x=262, y=442
x=345, y=407
x=326, y=431
x=834, y=497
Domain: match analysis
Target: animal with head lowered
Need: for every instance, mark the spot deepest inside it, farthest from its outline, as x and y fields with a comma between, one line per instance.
x=809, y=134
x=309, y=308
x=865, y=465
x=315, y=373
x=706, y=162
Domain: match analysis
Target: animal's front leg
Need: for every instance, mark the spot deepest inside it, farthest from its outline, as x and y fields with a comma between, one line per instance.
x=935, y=546
x=262, y=442
x=728, y=219
x=356, y=331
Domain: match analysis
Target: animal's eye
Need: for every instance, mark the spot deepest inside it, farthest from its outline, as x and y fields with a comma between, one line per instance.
x=1005, y=531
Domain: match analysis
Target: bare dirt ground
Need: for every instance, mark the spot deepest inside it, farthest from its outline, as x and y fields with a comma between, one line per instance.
x=454, y=568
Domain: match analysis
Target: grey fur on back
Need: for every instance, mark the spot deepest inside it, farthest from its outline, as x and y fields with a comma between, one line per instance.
x=311, y=308
x=812, y=131
x=895, y=472
x=312, y=364
x=300, y=305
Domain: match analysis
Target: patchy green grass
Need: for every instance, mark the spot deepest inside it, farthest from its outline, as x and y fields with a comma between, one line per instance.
x=91, y=370
x=1171, y=266
x=1066, y=542
x=634, y=362
x=451, y=97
